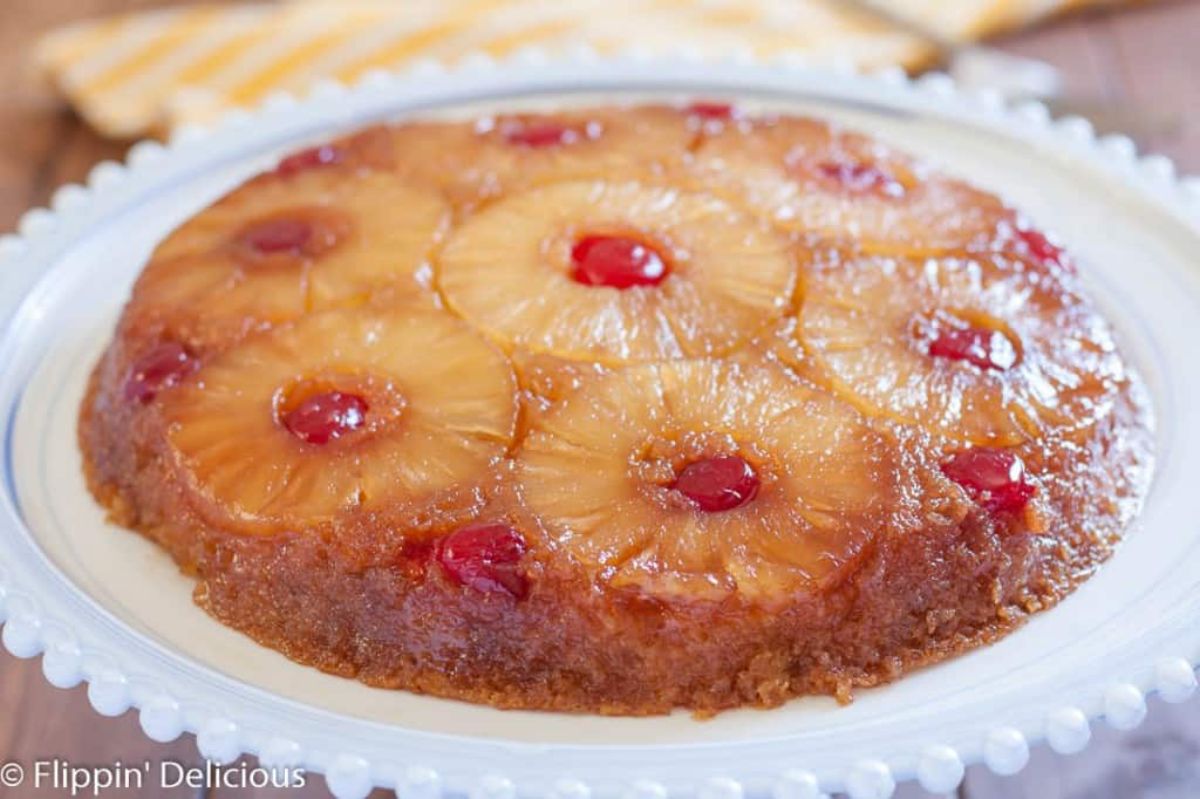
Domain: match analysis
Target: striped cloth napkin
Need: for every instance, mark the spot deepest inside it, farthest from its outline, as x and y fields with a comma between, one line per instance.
x=147, y=72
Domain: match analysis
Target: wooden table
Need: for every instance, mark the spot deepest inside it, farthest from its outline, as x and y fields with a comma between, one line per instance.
x=1149, y=55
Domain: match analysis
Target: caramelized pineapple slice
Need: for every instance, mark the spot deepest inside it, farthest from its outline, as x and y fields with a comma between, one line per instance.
x=285, y=244
x=616, y=273
x=341, y=411
x=502, y=154
x=986, y=351
x=809, y=178
x=706, y=478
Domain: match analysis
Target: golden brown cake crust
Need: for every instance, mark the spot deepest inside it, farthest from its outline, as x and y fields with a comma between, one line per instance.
x=862, y=551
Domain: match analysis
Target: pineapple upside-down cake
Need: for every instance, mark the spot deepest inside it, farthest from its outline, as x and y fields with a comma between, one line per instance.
x=617, y=410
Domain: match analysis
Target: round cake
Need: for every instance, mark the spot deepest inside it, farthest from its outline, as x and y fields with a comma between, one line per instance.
x=617, y=410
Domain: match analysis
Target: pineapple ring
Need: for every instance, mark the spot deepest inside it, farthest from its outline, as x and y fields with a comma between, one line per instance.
x=474, y=163
x=372, y=231
x=810, y=178
x=441, y=403
x=598, y=472
x=863, y=320
x=508, y=270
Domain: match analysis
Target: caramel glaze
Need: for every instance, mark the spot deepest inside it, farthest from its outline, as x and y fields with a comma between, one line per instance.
x=361, y=595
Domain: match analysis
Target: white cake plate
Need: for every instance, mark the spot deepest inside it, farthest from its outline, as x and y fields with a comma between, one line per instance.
x=104, y=606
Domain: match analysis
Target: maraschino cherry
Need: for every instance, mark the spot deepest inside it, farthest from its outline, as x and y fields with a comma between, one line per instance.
x=995, y=477
x=311, y=158
x=485, y=557
x=160, y=368
x=858, y=177
x=323, y=417
x=985, y=348
x=717, y=484
x=1043, y=250
x=279, y=235
x=616, y=261
x=711, y=110
x=541, y=134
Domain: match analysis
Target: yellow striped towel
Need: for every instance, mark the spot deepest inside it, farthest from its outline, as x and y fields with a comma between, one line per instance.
x=148, y=72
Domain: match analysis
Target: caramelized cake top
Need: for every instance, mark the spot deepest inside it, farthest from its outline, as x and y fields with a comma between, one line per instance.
x=692, y=352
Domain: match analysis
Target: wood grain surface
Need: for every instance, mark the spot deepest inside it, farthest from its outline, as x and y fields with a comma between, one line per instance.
x=1148, y=57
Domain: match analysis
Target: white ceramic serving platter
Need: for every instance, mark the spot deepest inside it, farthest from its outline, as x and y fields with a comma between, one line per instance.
x=107, y=607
